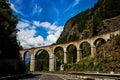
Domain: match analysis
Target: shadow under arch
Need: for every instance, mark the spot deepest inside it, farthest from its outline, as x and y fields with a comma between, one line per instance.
x=71, y=53
x=42, y=60
x=59, y=57
x=27, y=59
x=85, y=49
x=98, y=43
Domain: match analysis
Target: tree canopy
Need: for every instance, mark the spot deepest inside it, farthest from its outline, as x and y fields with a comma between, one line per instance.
x=10, y=62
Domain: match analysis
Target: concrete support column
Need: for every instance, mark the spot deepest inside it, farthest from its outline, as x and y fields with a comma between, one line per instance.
x=52, y=62
x=65, y=58
x=79, y=55
x=22, y=57
x=32, y=63
x=93, y=51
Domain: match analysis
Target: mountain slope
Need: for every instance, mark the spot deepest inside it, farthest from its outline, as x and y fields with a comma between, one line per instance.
x=92, y=21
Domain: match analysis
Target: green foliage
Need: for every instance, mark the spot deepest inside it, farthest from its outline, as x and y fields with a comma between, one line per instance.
x=86, y=49
x=72, y=54
x=73, y=37
x=106, y=60
x=28, y=67
x=59, y=57
x=8, y=31
x=62, y=39
x=98, y=43
x=85, y=65
x=9, y=48
x=42, y=61
x=90, y=20
x=117, y=38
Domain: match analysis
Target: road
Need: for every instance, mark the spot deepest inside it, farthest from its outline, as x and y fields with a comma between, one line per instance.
x=48, y=76
x=43, y=77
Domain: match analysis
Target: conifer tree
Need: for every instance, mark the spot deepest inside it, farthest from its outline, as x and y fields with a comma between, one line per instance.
x=9, y=50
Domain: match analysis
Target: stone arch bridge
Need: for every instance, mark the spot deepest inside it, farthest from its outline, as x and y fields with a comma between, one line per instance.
x=50, y=49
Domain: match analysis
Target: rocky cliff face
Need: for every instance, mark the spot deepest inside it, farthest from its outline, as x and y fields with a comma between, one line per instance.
x=109, y=25
x=102, y=18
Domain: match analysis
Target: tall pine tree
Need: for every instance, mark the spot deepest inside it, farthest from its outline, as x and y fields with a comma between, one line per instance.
x=9, y=50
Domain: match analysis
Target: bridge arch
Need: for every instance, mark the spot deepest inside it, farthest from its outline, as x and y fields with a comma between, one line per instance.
x=59, y=57
x=49, y=50
x=41, y=60
x=102, y=40
x=71, y=53
x=26, y=57
x=99, y=42
x=85, y=48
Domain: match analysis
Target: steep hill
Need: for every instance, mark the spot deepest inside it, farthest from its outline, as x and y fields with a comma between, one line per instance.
x=103, y=17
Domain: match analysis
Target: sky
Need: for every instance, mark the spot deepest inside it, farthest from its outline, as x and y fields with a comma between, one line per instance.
x=42, y=21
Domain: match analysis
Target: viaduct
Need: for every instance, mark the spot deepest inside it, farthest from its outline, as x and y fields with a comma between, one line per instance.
x=51, y=48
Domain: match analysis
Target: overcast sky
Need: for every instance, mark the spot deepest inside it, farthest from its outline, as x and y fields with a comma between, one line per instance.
x=42, y=21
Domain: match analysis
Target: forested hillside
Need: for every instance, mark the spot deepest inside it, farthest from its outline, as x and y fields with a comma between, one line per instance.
x=91, y=22
x=104, y=17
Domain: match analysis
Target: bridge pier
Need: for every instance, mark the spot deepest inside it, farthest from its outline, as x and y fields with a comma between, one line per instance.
x=52, y=62
x=22, y=57
x=79, y=55
x=93, y=51
x=32, y=63
x=65, y=57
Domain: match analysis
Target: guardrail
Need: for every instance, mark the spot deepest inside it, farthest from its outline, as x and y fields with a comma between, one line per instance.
x=95, y=76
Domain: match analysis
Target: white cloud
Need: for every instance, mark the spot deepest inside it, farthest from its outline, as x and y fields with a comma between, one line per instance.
x=42, y=24
x=15, y=9
x=53, y=29
x=24, y=20
x=36, y=41
x=51, y=38
x=22, y=25
x=54, y=33
x=27, y=30
x=27, y=34
x=45, y=24
x=36, y=23
x=76, y=2
x=27, y=38
x=37, y=9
